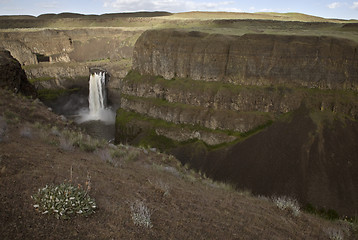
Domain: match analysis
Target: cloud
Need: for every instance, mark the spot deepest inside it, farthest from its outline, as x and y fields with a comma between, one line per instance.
x=49, y=4
x=334, y=5
x=266, y=10
x=355, y=5
x=168, y=5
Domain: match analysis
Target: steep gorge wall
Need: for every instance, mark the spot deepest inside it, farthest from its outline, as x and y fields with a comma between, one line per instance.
x=77, y=45
x=221, y=96
x=239, y=78
x=185, y=85
x=251, y=59
x=62, y=54
x=13, y=77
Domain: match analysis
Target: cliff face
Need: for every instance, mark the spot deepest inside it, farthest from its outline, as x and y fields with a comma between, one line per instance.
x=216, y=96
x=251, y=59
x=61, y=55
x=229, y=82
x=77, y=45
x=12, y=76
x=264, y=112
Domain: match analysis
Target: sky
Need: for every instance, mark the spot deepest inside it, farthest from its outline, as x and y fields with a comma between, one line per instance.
x=323, y=8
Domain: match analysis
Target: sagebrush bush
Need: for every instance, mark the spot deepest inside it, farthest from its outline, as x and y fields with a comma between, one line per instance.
x=66, y=144
x=335, y=234
x=64, y=200
x=26, y=132
x=161, y=186
x=141, y=214
x=287, y=203
x=106, y=156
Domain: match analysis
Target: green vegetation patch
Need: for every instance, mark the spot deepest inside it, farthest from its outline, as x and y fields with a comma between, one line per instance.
x=11, y=117
x=145, y=134
x=40, y=79
x=180, y=90
x=148, y=135
x=64, y=200
x=52, y=94
x=329, y=214
x=227, y=89
x=188, y=85
x=264, y=117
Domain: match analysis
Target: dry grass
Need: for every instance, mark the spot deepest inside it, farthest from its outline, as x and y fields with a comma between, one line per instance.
x=253, y=16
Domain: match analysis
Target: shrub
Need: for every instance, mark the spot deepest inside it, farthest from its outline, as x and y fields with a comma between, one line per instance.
x=329, y=214
x=87, y=147
x=106, y=156
x=168, y=169
x=132, y=155
x=141, y=214
x=287, y=203
x=55, y=131
x=66, y=144
x=161, y=186
x=11, y=117
x=335, y=234
x=63, y=201
x=26, y=132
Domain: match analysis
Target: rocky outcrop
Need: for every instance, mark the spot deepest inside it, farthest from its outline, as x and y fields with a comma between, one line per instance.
x=67, y=75
x=251, y=59
x=65, y=56
x=210, y=95
x=77, y=45
x=12, y=76
x=187, y=114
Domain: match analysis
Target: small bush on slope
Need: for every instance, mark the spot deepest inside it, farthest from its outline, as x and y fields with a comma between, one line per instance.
x=141, y=214
x=286, y=203
x=63, y=201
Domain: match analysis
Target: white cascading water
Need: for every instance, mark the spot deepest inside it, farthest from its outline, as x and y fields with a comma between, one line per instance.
x=97, y=100
x=97, y=94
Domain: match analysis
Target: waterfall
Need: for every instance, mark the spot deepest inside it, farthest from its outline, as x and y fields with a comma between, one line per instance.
x=97, y=93
x=97, y=101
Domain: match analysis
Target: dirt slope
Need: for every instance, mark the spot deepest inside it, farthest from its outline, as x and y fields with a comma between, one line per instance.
x=183, y=205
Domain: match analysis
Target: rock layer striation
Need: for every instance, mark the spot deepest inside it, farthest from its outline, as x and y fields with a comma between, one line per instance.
x=251, y=59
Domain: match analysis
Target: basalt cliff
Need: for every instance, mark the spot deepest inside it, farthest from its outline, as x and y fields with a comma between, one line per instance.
x=13, y=77
x=61, y=58
x=251, y=59
x=262, y=111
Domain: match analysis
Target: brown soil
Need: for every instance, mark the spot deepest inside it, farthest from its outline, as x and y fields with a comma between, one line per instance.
x=194, y=208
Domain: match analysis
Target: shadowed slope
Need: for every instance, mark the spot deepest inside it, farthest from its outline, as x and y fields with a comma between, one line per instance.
x=312, y=157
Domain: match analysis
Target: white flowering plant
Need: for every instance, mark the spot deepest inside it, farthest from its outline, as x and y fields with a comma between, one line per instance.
x=287, y=203
x=141, y=214
x=64, y=200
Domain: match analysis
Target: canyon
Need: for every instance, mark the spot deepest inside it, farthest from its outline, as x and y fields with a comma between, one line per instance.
x=257, y=101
